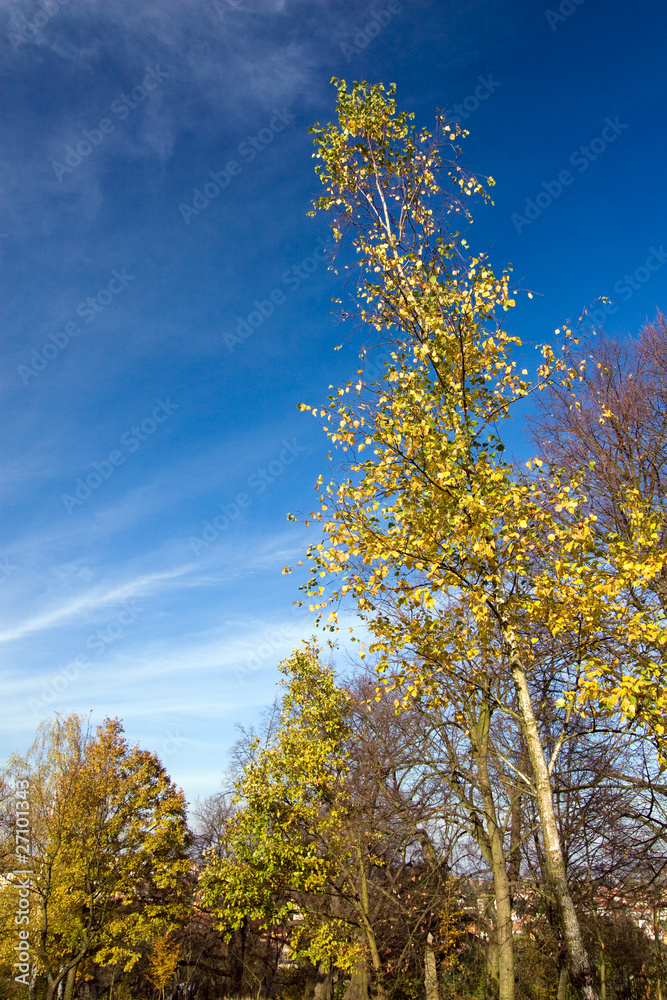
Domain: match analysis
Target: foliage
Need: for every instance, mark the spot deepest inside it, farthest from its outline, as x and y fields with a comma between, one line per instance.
x=285, y=841
x=446, y=549
x=613, y=428
x=163, y=961
x=108, y=848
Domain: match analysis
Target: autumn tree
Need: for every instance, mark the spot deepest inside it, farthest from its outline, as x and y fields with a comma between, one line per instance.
x=611, y=430
x=108, y=851
x=283, y=843
x=332, y=838
x=455, y=558
x=612, y=426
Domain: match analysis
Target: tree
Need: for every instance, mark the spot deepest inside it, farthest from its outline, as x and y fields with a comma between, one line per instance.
x=332, y=836
x=612, y=432
x=614, y=427
x=210, y=822
x=163, y=962
x=469, y=742
x=456, y=559
x=284, y=843
x=108, y=850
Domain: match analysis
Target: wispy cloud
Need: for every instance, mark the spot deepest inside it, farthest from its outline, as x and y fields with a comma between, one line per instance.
x=89, y=602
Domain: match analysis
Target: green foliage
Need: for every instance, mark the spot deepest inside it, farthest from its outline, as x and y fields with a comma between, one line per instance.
x=286, y=840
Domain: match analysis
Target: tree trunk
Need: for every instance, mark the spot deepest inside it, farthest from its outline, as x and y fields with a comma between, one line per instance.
x=70, y=983
x=581, y=970
x=658, y=950
x=562, y=983
x=55, y=985
x=491, y=970
x=516, y=831
x=503, y=960
x=237, y=958
x=357, y=988
x=430, y=970
x=323, y=988
x=364, y=912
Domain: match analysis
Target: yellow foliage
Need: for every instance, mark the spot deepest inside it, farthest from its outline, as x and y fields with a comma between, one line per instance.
x=440, y=541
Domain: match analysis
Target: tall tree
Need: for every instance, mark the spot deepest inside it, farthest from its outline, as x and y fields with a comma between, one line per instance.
x=108, y=850
x=455, y=558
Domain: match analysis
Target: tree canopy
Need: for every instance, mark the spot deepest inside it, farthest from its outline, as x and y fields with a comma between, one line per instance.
x=108, y=848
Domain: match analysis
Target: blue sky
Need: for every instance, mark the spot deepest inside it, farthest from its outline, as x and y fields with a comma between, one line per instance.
x=157, y=171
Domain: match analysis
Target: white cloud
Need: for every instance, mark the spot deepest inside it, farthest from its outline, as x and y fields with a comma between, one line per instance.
x=88, y=602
